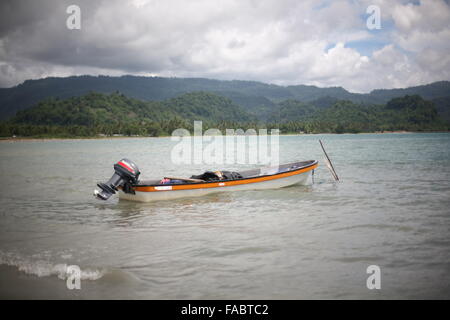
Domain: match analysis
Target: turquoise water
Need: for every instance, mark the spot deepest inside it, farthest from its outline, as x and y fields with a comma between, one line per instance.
x=391, y=209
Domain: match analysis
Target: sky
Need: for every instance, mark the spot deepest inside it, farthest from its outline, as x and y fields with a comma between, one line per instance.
x=284, y=42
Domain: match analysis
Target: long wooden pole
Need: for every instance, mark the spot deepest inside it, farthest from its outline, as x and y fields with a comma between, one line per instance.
x=329, y=164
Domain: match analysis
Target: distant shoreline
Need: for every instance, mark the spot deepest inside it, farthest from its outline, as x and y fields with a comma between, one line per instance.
x=18, y=139
x=24, y=139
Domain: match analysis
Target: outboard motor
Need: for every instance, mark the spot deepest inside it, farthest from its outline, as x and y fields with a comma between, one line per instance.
x=125, y=174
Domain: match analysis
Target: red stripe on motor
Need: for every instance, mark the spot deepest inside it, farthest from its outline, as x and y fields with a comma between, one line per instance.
x=125, y=166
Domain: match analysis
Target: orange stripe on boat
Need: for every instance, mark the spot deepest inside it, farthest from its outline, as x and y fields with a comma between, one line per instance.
x=221, y=184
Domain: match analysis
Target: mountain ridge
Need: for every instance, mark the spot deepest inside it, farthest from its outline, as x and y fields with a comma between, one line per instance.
x=252, y=96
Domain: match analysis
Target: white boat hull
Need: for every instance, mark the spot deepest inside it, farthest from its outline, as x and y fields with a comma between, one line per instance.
x=168, y=194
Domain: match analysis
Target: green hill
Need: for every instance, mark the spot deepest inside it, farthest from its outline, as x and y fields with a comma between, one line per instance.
x=257, y=98
x=293, y=110
x=411, y=113
x=98, y=108
x=443, y=107
x=109, y=114
x=115, y=113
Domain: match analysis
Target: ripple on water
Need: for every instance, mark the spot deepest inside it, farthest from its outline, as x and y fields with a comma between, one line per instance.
x=391, y=208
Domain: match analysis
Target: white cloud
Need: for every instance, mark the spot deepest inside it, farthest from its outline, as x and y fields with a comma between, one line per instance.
x=284, y=42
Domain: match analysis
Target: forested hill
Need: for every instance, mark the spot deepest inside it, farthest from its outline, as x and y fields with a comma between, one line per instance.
x=110, y=114
x=255, y=97
x=115, y=109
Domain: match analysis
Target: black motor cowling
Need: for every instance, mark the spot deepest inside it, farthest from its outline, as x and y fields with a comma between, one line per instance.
x=126, y=173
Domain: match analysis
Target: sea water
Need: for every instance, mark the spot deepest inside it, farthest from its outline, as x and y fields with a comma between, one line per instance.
x=391, y=209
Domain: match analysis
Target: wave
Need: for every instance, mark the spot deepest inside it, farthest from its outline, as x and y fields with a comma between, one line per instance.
x=43, y=268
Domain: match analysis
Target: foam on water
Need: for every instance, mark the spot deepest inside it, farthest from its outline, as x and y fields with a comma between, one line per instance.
x=390, y=209
x=43, y=268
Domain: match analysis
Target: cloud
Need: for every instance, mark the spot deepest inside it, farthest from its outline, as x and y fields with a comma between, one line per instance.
x=283, y=42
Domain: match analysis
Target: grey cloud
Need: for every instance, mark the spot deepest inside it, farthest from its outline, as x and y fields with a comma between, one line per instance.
x=285, y=42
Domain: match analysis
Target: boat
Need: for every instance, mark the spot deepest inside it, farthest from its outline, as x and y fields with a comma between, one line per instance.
x=126, y=181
